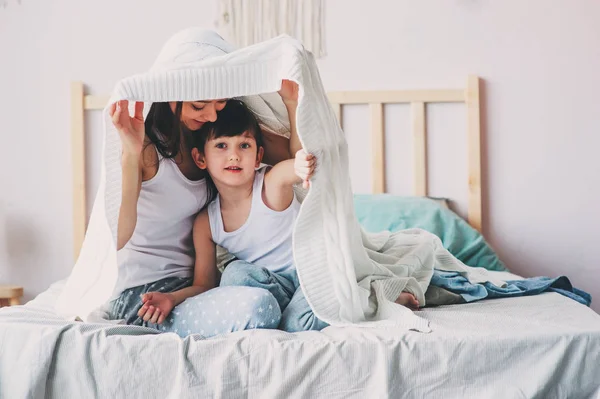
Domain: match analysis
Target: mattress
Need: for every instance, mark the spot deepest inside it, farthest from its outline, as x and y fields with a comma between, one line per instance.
x=545, y=346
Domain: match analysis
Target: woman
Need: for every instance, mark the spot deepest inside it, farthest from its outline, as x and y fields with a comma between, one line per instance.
x=162, y=191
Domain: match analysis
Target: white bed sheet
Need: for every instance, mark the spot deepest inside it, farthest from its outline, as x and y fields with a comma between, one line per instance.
x=545, y=346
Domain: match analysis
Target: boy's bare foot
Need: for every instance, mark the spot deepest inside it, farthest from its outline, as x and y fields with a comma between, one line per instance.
x=407, y=299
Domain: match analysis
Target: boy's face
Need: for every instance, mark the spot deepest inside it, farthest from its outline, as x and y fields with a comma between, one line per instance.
x=231, y=160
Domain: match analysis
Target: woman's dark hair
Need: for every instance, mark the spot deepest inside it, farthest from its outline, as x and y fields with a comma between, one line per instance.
x=233, y=120
x=164, y=129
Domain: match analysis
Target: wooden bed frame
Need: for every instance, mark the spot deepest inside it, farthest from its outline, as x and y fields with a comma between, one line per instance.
x=80, y=103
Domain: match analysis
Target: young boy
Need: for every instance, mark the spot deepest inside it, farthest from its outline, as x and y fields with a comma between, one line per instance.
x=251, y=213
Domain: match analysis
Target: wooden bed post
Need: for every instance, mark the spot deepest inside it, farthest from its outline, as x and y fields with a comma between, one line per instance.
x=78, y=159
x=378, y=149
x=417, y=110
x=474, y=150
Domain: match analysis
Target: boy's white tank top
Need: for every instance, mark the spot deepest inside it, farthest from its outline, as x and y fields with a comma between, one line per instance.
x=161, y=245
x=265, y=239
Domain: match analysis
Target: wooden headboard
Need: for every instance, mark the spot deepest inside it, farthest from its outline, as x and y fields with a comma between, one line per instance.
x=81, y=102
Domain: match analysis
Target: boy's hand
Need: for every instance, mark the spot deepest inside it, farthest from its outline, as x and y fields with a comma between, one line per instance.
x=156, y=307
x=304, y=166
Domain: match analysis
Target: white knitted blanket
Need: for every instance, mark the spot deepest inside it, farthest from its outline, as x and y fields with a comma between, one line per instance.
x=348, y=276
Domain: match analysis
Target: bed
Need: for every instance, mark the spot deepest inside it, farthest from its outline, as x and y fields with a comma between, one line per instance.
x=544, y=346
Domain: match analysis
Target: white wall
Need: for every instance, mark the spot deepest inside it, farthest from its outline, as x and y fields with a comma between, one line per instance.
x=539, y=59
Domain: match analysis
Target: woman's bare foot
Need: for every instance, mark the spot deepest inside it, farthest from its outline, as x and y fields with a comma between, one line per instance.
x=407, y=299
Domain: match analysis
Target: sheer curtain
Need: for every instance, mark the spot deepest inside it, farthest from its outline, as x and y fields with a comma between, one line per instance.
x=245, y=22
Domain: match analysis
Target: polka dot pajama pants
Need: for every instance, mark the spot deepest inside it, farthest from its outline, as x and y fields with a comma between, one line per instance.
x=214, y=312
x=297, y=314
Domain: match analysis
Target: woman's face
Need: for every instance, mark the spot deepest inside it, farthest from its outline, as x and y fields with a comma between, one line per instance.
x=195, y=113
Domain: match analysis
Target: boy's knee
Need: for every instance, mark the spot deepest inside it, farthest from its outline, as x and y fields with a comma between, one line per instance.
x=300, y=321
x=236, y=273
x=266, y=312
x=240, y=273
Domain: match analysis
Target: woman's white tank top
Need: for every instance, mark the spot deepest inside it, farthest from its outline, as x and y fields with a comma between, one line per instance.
x=161, y=245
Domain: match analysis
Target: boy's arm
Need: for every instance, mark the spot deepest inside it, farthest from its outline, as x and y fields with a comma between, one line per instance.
x=278, y=190
x=205, y=269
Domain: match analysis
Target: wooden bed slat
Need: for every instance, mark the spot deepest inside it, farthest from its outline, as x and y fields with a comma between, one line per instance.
x=78, y=159
x=420, y=148
x=378, y=148
x=474, y=151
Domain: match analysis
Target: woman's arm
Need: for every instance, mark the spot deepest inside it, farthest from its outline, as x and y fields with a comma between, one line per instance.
x=132, y=134
x=131, y=186
x=289, y=95
x=278, y=148
x=294, y=144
